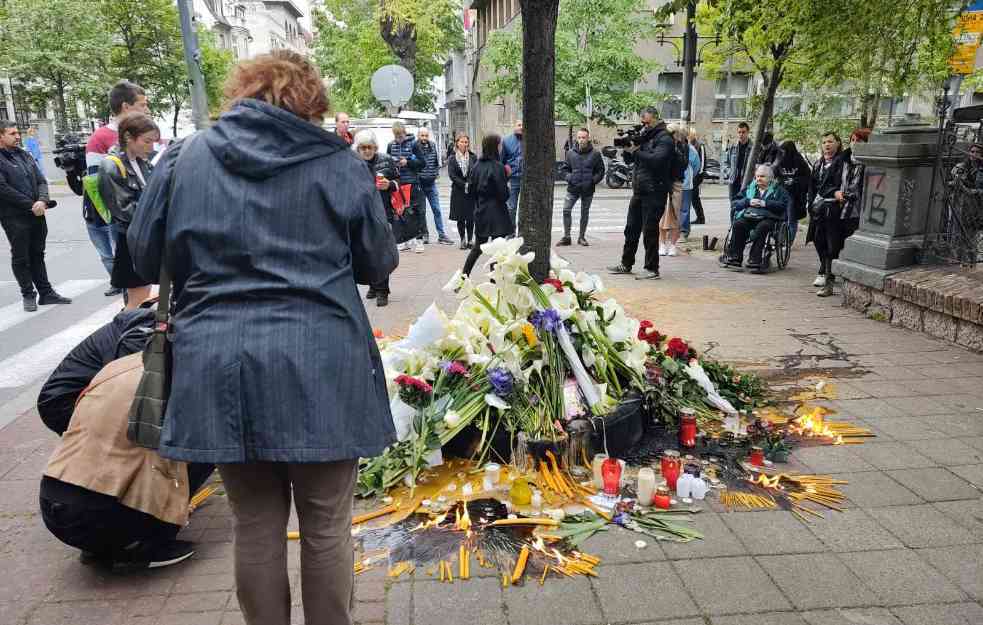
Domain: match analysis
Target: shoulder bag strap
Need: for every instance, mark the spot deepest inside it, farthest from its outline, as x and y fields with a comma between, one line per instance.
x=164, y=296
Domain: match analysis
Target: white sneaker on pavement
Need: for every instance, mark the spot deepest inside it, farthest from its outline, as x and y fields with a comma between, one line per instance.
x=672, y=251
x=403, y=247
x=819, y=281
x=418, y=246
x=663, y=249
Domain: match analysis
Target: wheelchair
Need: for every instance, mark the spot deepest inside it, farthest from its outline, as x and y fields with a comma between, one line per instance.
x=778, y=244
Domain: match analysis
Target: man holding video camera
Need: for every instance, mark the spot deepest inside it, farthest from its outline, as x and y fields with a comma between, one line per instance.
x=650, y=146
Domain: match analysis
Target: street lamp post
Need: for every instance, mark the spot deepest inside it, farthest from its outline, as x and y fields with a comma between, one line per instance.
x=192, y=57
x=689, y=61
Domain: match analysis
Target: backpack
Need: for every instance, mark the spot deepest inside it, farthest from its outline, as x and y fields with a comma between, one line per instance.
x=90, y=184
x=680, y=160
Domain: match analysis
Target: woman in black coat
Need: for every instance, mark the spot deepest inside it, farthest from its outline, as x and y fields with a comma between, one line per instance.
x=491, y=190
x=459, y=165
x=826, y=225
x=794, y=173
x=123, y=175
x=385, y=177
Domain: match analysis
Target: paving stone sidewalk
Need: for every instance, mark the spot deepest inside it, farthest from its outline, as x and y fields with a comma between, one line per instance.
x=907, y=550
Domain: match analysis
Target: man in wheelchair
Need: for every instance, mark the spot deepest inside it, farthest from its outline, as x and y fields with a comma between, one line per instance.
x=762, y=206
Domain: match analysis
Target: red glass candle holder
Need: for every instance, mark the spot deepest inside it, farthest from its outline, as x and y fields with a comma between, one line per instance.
x=757, y=457
x=611, y=475
x=662, y=499
x=687, y=431
x=671, y=467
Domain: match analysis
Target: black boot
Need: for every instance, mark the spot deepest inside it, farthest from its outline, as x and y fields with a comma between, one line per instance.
x=382, y=299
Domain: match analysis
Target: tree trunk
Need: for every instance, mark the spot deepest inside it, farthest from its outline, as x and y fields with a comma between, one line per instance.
x=401, y=39
x=177, y=112
x=764, y=119
x=61, y=108
x=865, y=111
x=875, y=110
x=538, y=83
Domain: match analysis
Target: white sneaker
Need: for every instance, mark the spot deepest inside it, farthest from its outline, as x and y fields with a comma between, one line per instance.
x=672, y=251
x=403, y=247
x=819, y=281
x=418, y=246
x=663, y=249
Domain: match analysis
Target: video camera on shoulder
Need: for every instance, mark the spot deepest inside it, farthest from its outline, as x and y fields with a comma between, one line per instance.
x=70, y=157
x=636, y=135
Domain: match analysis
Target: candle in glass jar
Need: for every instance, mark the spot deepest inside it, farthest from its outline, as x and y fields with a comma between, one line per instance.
x=596, y=466
x=687, y=430
x=646, y=486
x=662, y=499
x=757, y=457
x=611, y=475
x=671, y=467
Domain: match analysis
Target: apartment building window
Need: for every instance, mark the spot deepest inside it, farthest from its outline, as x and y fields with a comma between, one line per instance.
x=788, y=104
x=740, y=87
x=4, y=113
x=671, y=85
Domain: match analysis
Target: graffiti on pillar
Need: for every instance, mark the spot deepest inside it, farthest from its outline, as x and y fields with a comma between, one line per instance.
x=905, y=198
x=874, y=186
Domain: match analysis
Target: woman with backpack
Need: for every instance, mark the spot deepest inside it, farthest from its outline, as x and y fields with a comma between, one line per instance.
x=123, y=175
x=489, y=184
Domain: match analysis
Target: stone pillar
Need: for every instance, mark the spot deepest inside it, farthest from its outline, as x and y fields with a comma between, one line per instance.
x=896, y=207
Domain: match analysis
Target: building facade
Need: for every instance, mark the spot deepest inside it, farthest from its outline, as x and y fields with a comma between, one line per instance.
x=718, y=104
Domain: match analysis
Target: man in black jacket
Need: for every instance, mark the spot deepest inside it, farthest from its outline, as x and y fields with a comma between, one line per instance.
x=583, y=169
x=652, y=155
x=23, y=202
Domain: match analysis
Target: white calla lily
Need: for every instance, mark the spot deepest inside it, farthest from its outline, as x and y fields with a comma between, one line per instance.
x=565, y=303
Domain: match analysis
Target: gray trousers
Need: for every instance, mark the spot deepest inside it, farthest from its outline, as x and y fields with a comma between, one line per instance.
x=260, y=497
x=585, y=202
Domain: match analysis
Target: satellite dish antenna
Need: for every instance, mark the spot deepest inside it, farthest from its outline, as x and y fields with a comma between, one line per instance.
x=393, y=86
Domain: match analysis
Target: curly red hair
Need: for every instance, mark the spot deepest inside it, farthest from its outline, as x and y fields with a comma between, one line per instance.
x=861, y=134
x=281, y=78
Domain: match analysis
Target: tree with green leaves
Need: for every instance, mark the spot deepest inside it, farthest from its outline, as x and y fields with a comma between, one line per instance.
x=763, y=35
x=891, y=49
x=148, y=49
x=54, y=48
x=595, y=60
x=357, y=37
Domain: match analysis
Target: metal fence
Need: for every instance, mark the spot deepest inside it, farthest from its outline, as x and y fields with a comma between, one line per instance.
x=957, y=237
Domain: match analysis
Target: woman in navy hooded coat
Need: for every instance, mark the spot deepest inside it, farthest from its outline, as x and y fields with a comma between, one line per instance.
x=267, y=223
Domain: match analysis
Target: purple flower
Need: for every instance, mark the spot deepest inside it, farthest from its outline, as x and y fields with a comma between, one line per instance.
x=548, y=320
x=501, y=381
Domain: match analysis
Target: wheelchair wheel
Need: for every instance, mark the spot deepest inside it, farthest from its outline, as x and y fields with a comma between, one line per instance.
x=783, y=245
x=723, y=252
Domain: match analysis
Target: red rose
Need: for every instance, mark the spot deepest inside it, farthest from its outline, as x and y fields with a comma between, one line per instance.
x=556, y=284
x=677, y=348
x=648, y=333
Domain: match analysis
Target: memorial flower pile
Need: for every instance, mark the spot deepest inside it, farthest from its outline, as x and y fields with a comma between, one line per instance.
x=525, y=357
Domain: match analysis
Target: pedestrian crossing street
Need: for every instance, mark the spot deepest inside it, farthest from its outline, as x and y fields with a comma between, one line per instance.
x=607, y=213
